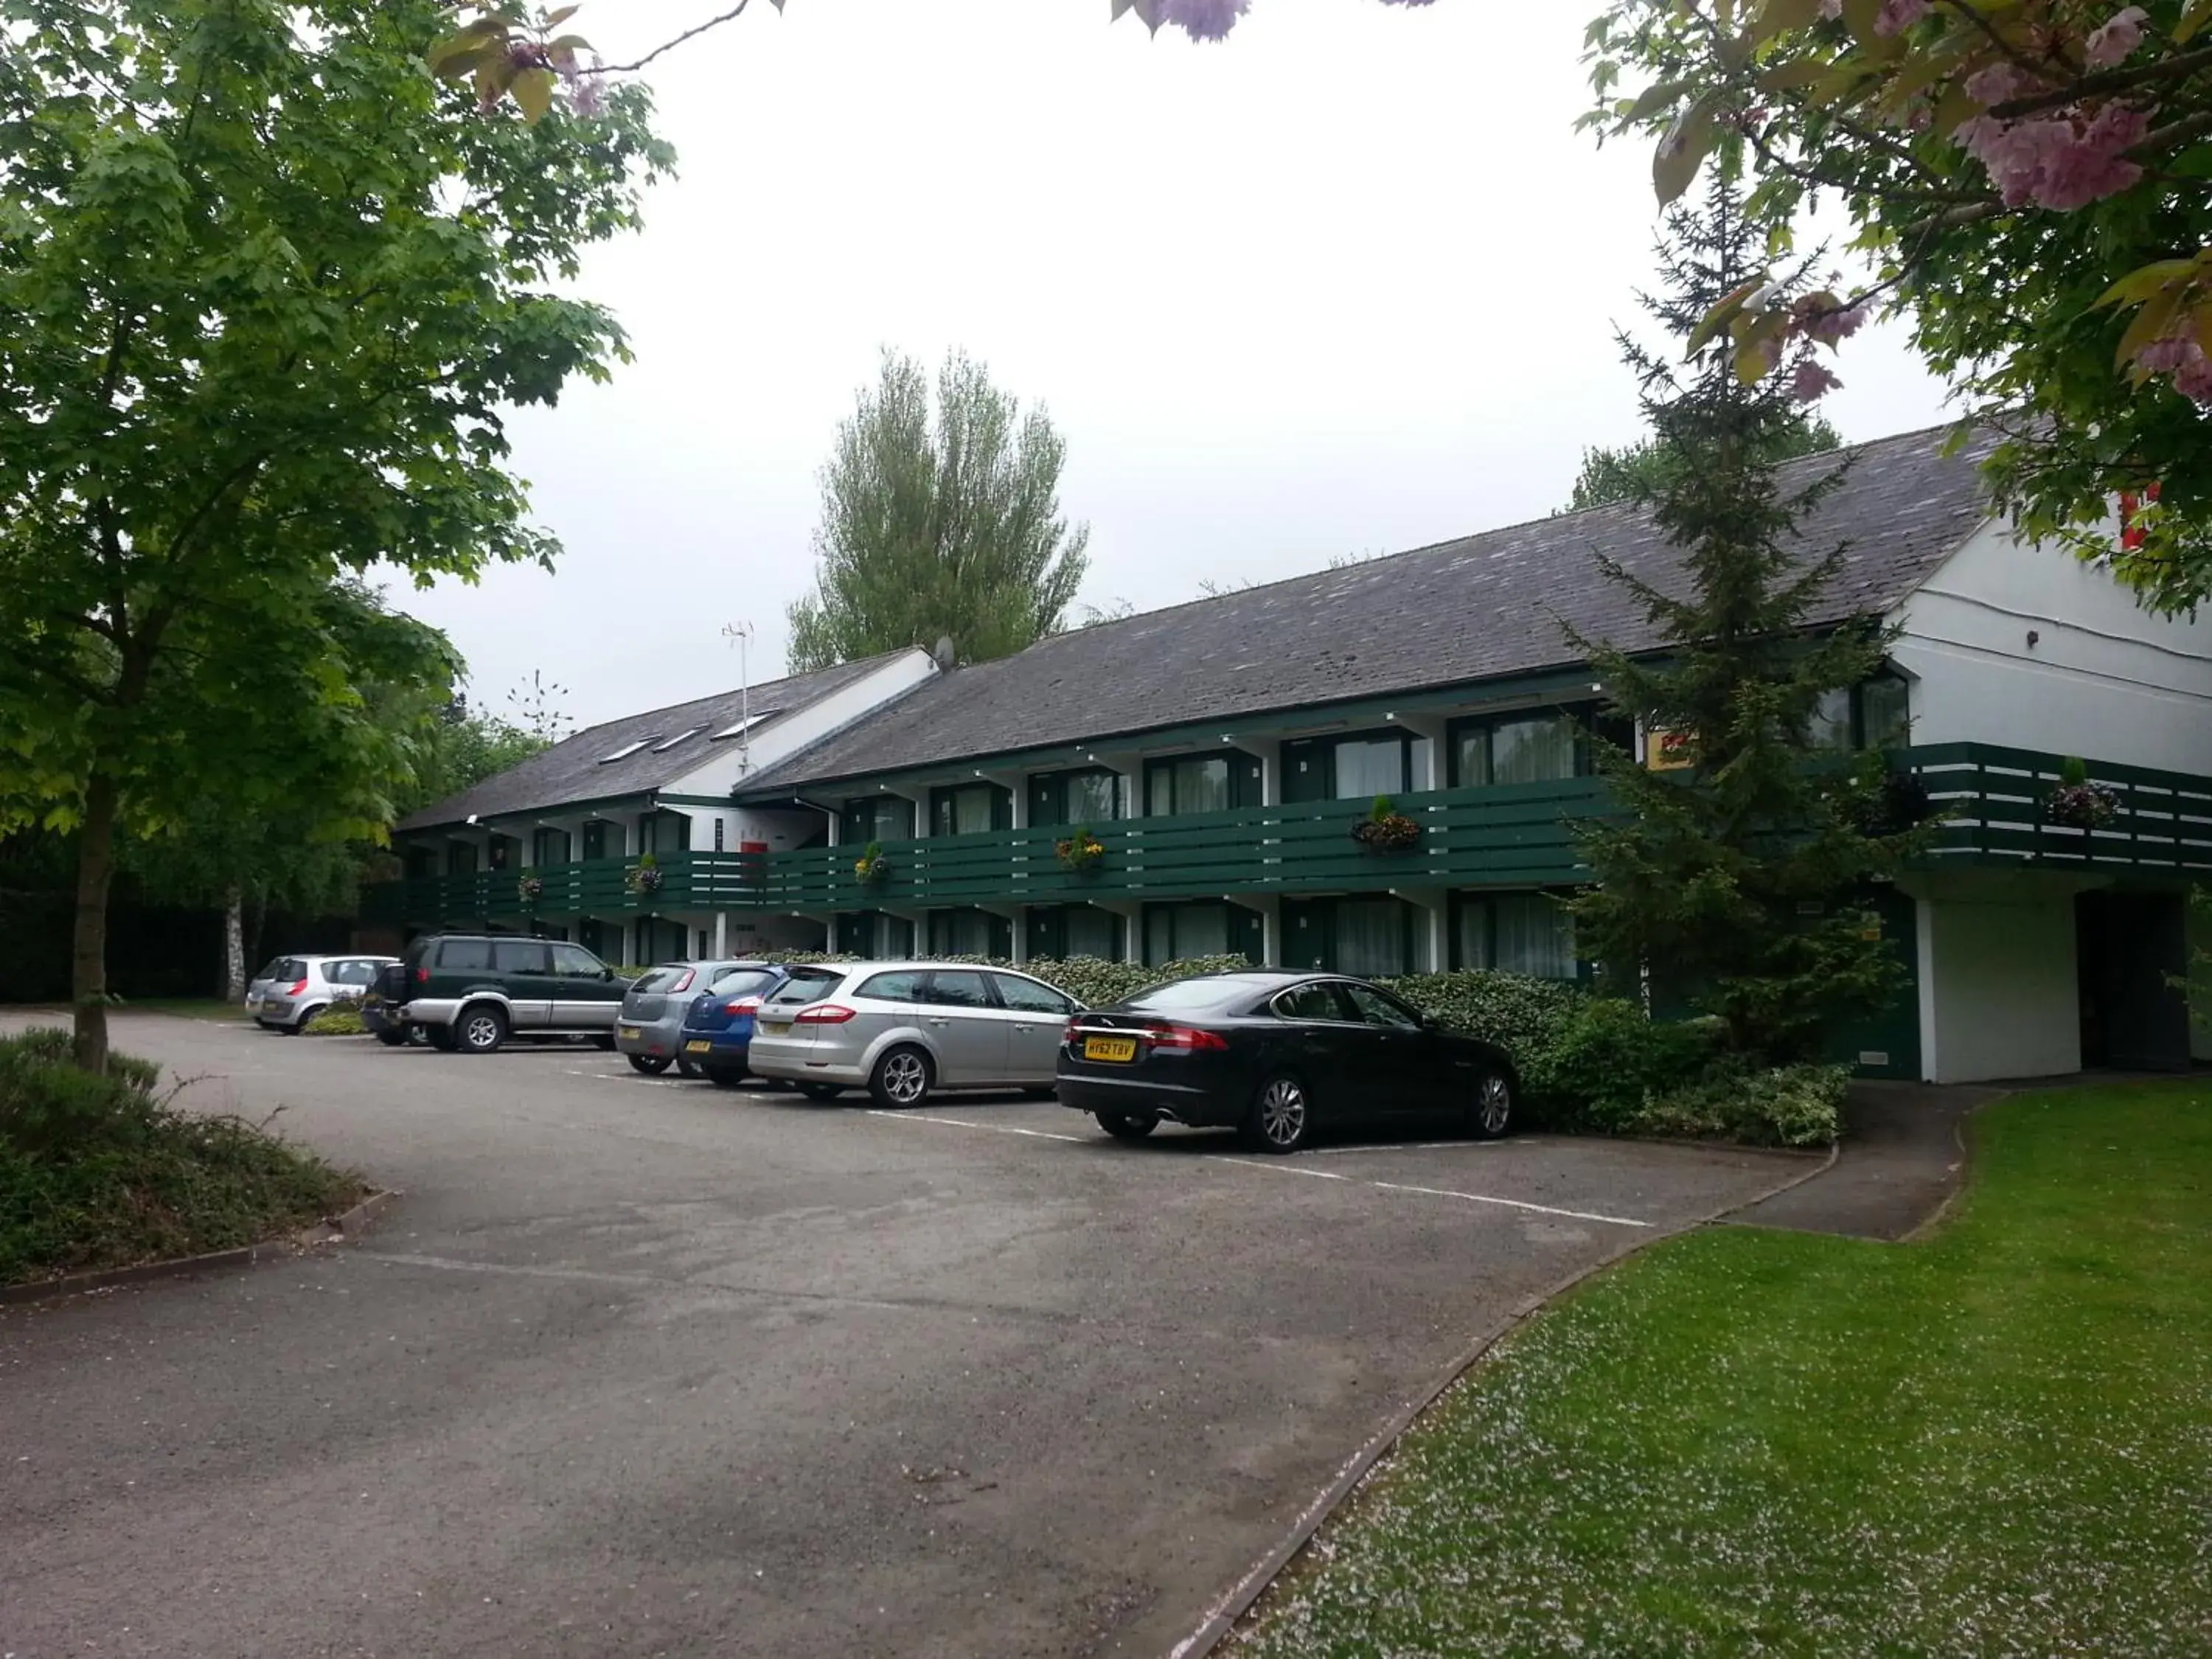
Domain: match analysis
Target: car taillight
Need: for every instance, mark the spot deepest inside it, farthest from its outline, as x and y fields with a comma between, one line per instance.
x=299, y=988
x=421, y=975
x=825, y=1013
x=1068, y=1035
x=684, y=983
x=742, y=1005
x=1186, y=1038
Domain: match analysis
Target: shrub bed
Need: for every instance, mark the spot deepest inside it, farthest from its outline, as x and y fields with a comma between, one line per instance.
x=344, y=1020
x=101, y=1172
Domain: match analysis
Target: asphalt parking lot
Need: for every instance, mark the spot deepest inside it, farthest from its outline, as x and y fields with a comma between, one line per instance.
x=648, y=1367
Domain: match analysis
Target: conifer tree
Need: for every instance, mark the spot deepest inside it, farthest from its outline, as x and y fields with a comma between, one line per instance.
x=1737, y=881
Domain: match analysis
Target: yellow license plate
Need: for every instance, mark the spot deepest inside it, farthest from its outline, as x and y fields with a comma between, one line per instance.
x=1115, y=1048
x=696, y=1048
x=629, y=1033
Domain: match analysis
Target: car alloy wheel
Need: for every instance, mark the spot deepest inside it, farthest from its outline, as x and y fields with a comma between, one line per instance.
x=901, y=1077
x=483, y=1030
x=1279, y=1115
x=1493, y=1105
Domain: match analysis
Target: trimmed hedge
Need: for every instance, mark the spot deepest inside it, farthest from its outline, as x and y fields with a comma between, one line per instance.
x=101, y=1172
x=340, y=1019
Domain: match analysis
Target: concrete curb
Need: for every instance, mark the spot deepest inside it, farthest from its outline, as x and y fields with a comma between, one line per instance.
x=333, y=1229
x=1222, y=1616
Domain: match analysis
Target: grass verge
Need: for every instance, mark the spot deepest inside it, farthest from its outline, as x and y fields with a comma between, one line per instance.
x=1997, y=1441
x=100, y=1172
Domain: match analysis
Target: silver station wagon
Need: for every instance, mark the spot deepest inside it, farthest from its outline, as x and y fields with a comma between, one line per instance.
x=900, y=1028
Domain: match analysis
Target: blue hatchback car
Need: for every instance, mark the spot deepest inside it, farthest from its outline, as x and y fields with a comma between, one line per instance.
x=717, y=1026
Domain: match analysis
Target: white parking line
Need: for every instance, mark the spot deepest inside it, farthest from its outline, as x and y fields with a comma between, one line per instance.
x=963, y=1123
x=627, y=1078
x=1512, y=1204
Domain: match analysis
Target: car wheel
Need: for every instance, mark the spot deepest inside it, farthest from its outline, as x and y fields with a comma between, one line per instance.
x=299, y=1025
x=725, y=1077
x=1490, y=1115
x=481, y=1028
x=651, y=1065
x=900, y=1078
x=442, y=1038
x=821, y=1091
x=1128, y=1126
x=686, y=1067
x=395, y=1036
x=1282, y=1115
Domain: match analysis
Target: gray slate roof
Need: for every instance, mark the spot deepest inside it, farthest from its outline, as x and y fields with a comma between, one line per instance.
x=576, y=769
x=1485, y=607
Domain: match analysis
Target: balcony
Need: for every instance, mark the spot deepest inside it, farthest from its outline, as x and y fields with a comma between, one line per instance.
x=1505, y=836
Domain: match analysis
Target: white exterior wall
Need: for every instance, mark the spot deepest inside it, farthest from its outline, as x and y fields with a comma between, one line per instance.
x=1998, y=992
x=2105, y=679
x=786, y=735
x=781, y=831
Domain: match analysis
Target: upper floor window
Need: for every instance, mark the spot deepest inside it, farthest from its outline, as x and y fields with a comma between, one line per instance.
x=881, y=816
x=1531, y=745
x=969, y=809
x=1359, y=767
x=1876, y=713
x=1087, y=797
x=1201, y=783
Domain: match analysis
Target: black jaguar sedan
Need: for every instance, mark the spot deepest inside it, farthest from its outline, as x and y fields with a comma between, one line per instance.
x=1279, y=1056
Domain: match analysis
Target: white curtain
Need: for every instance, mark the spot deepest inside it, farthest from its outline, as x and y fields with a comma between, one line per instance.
x=1366, y=770
x=1534, y=936
x=1532, y=750
x=1370, y=937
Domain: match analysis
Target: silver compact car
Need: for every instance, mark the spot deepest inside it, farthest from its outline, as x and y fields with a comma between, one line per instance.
x=900, y=1028
x=649, y=1030
x=292, y=990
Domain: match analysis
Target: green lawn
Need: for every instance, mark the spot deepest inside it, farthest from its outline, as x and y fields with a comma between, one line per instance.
x=1998, y=1442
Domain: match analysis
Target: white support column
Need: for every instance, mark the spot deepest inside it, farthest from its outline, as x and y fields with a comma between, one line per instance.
x=721, y=932
x=1270, y=907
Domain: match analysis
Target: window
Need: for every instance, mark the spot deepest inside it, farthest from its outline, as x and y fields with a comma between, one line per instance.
x=958, y=988
x=460, y=858
x=1187, y=996
x=878, y=817
x=1026, y=996
x=1308, y=1002
x=1193, y=783
x=663, y=748
x=969, y=809
x=548, y=846
x=742, y=726
x=1535, y=747
x=1875, y=714
x=625, y=751
x=471, y=956
x=662, y=831
x=965, y=933
x=520, y=956
x=718, y=834
x=1529, y=934
x=1088, y=931
x=663, y=979
x=1375, y=1009
x=596, y=839
x=288, y=968
x=1830, y=725
x=799, y=991
x=1182, y=932
x=350, y=973
x=894, y=988
x=745, y=983
x=1371, y=936
x=1356, y=768
x=1366, y=768
x=576, y=962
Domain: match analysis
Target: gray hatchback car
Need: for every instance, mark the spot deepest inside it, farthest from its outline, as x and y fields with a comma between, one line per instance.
x=650, y=1027
x=901, y=1029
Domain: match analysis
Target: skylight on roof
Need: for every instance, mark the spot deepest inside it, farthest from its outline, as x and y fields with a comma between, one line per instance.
x=663, y=748
x=625, y=751
x=746, y=725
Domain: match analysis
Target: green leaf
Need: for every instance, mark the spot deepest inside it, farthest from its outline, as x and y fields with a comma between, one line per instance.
x=2138, y=286
x=1652, y=100
x=1689, y=139
x=1779, y=16
x=2153, y=320
x=555, y=19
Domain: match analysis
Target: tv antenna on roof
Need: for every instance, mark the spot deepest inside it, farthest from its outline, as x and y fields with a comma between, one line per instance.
x=740, y=634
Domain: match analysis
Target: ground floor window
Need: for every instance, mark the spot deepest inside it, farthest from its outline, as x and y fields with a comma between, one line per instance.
x=1184, y=932
x=594, y=936
x=1075, y=930
x=875, y=937
x=662, y=941
x=1531, y=934
x=1373, y=937
x=969, y=933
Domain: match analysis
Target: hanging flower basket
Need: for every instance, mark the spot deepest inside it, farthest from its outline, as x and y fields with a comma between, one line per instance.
x=1386, y=829
x=1080, y=851
x=644, y=877
x=2082, y=806
x=530, y=888
x=872, y=866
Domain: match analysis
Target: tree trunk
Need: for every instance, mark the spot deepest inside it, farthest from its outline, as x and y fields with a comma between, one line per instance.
x=95, y=872
x=233, y=945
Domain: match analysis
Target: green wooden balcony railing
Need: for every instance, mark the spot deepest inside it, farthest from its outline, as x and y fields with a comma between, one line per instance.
x=1506, y=836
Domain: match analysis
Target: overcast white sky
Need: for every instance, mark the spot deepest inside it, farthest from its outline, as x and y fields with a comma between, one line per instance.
x=1343, y=283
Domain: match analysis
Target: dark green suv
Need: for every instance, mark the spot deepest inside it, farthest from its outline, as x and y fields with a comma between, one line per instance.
x=472, y=992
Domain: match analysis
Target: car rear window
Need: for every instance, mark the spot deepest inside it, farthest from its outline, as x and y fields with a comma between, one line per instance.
x=1187, y=996
x=664, y=978
x=465, y=953
x=270, y=970
x=804, y=988
x=744, y=982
